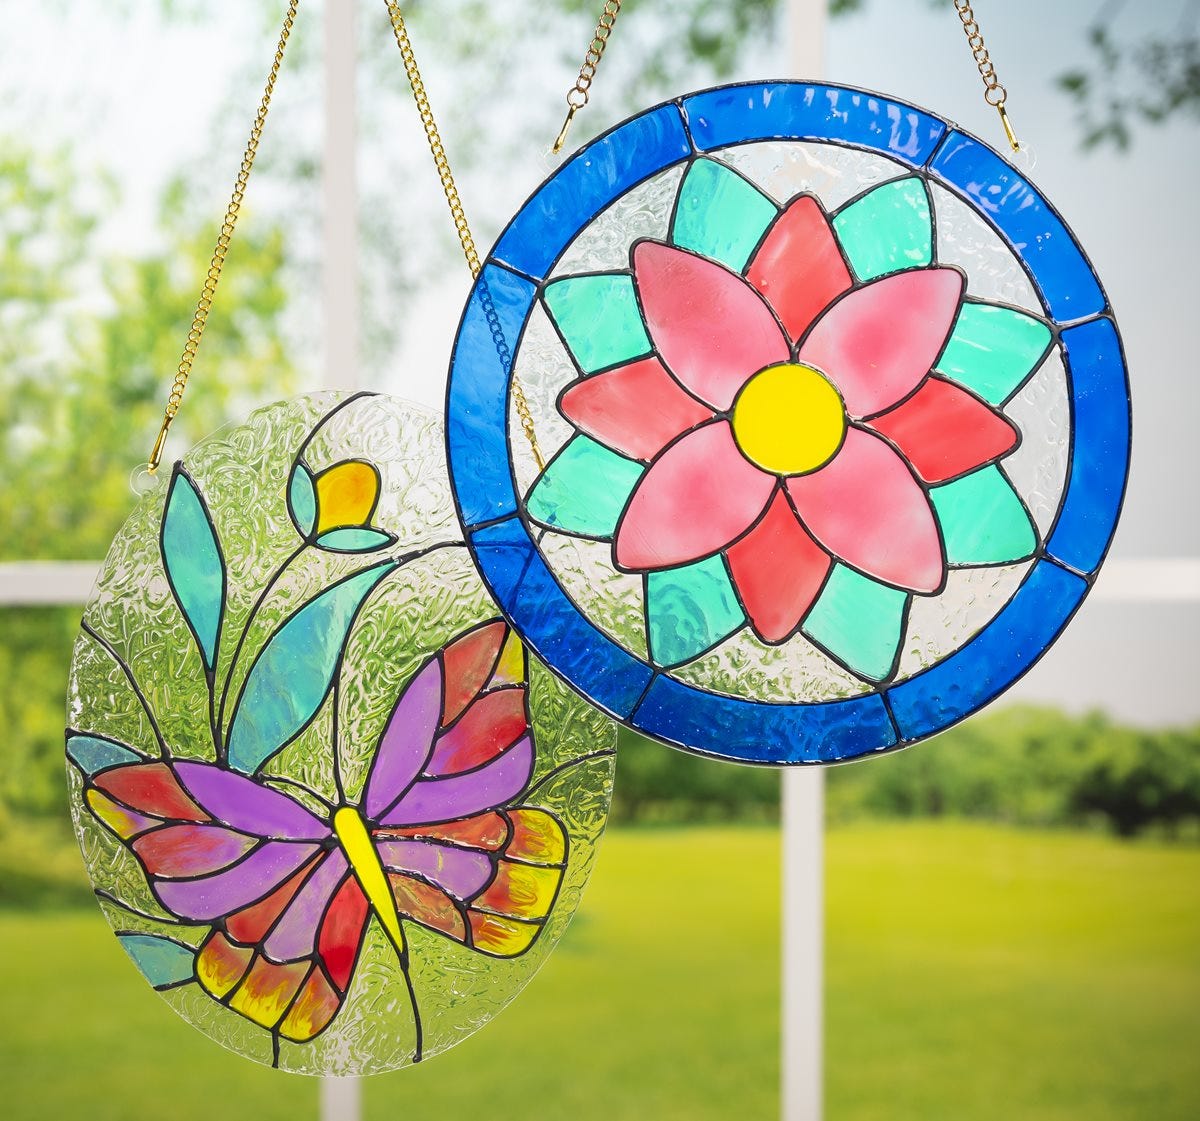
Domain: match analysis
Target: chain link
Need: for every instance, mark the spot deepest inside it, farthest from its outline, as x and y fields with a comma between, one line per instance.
x=442, y=163
x=993, y=92
x=217, y=262
x=434, y=137
x=580, y=92
x=577, y=97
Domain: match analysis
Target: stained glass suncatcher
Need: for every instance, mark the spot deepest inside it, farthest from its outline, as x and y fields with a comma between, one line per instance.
x=835, y=413
x=333, y=811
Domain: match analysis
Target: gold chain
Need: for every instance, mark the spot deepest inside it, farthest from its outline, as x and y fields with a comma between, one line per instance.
x=580, y=92
x=577, y=97
x=433, y=137
x=993, y=92
x=204, y=306
x=438, y=151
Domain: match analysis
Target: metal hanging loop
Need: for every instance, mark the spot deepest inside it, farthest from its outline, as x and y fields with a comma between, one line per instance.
x=578, y=94
x=993, y=92
x=217, y=262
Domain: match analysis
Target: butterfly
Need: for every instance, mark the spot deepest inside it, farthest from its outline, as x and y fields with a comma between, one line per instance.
x=438, y=838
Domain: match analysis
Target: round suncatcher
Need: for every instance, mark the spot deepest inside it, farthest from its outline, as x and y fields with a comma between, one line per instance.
x=332, y=810
x=835, y=416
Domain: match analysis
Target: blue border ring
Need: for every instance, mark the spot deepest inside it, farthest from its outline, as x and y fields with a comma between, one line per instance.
x=631, y=690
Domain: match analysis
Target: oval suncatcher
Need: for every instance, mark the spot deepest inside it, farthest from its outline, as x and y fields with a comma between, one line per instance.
x=332, y=810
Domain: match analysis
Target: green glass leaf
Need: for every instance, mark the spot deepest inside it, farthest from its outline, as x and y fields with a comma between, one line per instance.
x=887, y=230
x=163, y=962
x=720, y=214
x=689, y=610
x=93, y=753
x=992, y=350
x=584, y=489
x=293, y=674
x=195, y=568
x=302, y=499
x=354, y=540
x=599, y=319
x=859, y=621
x=983, y=520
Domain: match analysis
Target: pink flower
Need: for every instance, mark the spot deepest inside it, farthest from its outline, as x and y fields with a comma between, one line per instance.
x=789, y=418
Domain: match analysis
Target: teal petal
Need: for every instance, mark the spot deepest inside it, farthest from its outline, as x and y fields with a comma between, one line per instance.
x=599, y=319
x=584, y=489
x=162, y=961
x=302, y=499
x=992, y=350
x=859, y=621
x=887, y=230
x=983, y=520
x=92, y=753
x=354, y=540
x=720, y=214
x=689, y=610
x=195, y=568
x=294, y=672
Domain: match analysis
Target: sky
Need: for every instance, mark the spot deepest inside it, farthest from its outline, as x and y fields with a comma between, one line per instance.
x=134, y=97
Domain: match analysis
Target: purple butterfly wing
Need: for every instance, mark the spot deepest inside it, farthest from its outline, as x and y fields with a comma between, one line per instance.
x=247, y=806
x=216, y=896
x=407, y=740
x=450, y=797
x=461, y=858
x=220, y=848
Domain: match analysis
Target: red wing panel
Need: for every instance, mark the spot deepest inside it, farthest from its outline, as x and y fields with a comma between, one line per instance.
x=341, y=934
x=150, y=788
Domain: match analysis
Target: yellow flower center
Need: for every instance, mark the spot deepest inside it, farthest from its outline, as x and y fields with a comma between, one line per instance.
x=788, y=419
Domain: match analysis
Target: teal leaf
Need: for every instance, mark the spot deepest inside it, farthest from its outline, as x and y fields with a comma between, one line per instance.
x=584, y=489
x=193, y=562
x=887, y=230
x=163, y=961
x=982, y=519
x=720, y=214
x=355, y=540
x=302, y=499
x=992, y=350
x=294, y=672
x=94, y=753
x=689, y=610
x=859, y=621
x=598, y=318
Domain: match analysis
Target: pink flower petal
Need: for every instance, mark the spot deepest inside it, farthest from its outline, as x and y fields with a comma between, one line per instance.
x=798, y=267
x=712, y=329
x=877, y=343
x=698, y=496
x=866, y=508
x=636, y=409
x=944, y=432
x=778, y=570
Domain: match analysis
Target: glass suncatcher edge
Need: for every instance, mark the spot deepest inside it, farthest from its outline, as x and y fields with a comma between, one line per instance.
x=484, y=461
x=329, y=517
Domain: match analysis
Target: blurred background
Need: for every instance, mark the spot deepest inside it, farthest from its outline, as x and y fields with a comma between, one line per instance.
x=1013, y=919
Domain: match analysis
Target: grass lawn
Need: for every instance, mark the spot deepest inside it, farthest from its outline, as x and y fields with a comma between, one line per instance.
x=974, y=972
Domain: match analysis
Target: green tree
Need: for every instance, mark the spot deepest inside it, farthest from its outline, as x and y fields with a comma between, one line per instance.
x=83, y=380
x=1134, y=81
x=82, y=386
